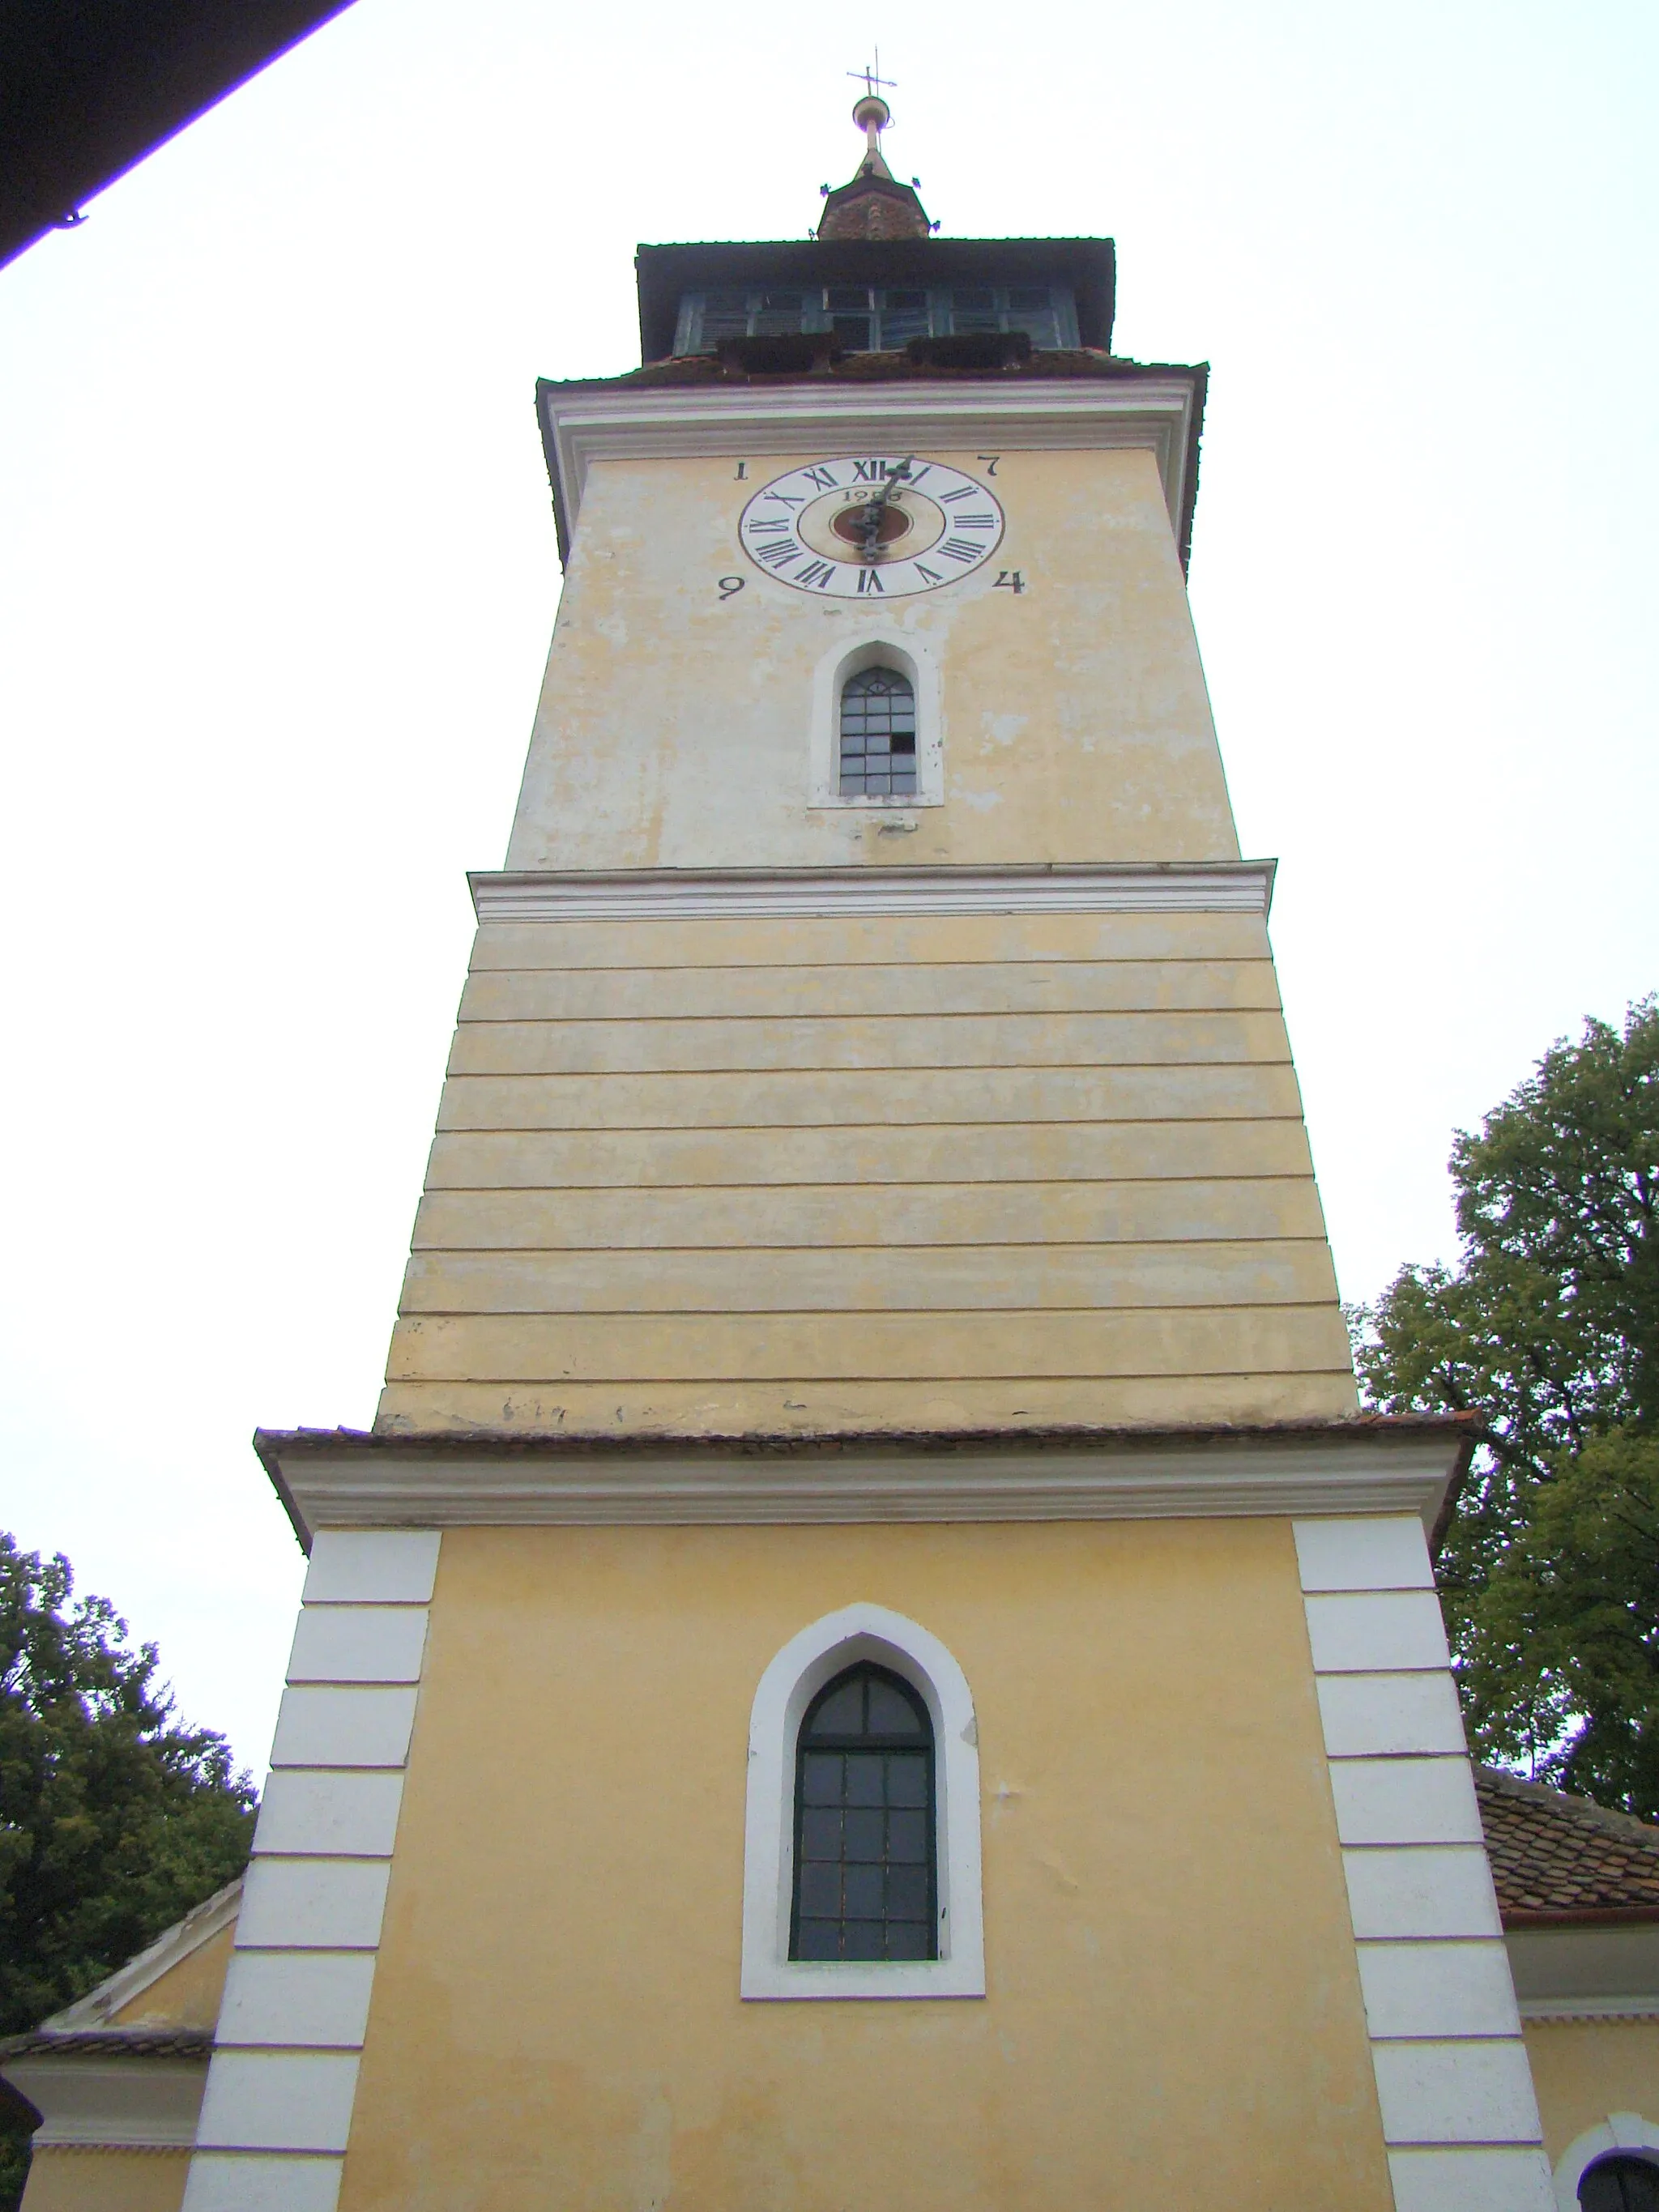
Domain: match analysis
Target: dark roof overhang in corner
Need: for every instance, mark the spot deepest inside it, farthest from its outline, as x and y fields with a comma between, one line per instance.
x=86, y=91
x=1088, y=264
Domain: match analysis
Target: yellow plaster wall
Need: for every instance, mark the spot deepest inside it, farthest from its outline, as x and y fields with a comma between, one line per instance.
x=862, y=1172
x=188, y=1995
x=673, y=727
x=1173, y=2017
x=107, y=2181
x=1583, y=2069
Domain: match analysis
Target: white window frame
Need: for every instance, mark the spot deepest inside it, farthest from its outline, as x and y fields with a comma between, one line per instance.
x=876, y=646
x=806, y=1662
x=1625, y=2131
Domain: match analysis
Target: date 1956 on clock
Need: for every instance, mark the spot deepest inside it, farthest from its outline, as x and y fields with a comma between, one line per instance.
x=872, y=526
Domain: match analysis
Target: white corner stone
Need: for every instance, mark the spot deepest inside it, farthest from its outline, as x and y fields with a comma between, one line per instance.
x=1405, y=1801
x=327, y=1812
x=358, y=1643
x=1373, y=1552
x=222, y=2181
x=278, y=2100
x=323, y=1724
x=1471, y=2181
x=1437, y=1990
x=1371, y=1716
x=297, y=1999
x=1374, y=1631
x=1424, y=1890
x=372, y=1566
x=1468, y=2091
x=313, y=1904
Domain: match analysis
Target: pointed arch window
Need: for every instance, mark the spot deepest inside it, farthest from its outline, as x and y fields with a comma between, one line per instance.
x=866, y=1881
x=878, y=735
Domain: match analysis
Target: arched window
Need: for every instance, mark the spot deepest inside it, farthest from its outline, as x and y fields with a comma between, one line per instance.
x=865, y=1879
x=878, y=735
x=1622, y=2183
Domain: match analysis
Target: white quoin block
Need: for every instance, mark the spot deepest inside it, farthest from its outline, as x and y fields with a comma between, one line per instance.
x=1386, y=1551
x=358, y=1643
x=326, y=1725
x=1389, y=1715
x=1405, y=1801
x=1485, y=2180
x=1442, y=1890
x=278, y=2100
x=1372, y=1631
x=313, y=1904
x=1444, y=2092
x=225, y=2181
x=1437, y=1990
x=372, y=1566
x=297, y=1998
x=329, y=1813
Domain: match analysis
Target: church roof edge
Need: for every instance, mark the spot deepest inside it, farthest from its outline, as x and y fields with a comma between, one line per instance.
x=1306, y=1465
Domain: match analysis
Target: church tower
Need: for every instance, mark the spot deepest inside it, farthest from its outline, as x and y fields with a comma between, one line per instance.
x=869, y=1658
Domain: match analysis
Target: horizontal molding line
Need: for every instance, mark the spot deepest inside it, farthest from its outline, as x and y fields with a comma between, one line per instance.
x=1571, y=2009
x=459, y=1493
x=1152, y=412
x=683, y=894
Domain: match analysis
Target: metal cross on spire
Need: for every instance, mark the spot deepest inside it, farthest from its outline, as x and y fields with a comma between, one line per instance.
x=872, y=79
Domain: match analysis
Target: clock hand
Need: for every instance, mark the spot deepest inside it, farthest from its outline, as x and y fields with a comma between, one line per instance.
x=875, y=513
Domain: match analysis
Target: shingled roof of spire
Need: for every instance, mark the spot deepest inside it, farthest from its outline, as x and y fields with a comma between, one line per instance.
x=1560, y=1858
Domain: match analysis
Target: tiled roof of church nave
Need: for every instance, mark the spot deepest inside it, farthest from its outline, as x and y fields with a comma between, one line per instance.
x=1556, y=1857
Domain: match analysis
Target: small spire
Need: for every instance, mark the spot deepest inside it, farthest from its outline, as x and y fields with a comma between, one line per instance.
x=872, y=115
x=874, y=204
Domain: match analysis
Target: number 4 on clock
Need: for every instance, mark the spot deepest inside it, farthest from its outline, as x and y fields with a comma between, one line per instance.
x=1009, y=580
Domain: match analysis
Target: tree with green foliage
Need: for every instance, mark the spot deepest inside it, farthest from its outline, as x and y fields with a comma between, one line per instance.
x=1547, y=1330
x=115, y=1818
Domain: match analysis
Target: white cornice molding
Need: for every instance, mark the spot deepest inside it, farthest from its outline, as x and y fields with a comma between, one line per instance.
x=144, y=2102
x=383, y=1483
x=774, y=894
x=1153, y=412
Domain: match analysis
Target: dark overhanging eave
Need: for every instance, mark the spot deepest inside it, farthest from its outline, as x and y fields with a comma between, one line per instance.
x=86, y=91
x=1089, y=264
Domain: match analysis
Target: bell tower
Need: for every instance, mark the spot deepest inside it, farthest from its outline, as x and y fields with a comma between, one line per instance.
x=869, y=1655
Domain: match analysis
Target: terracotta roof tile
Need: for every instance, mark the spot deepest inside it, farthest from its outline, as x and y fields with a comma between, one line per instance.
x=1555, y=1856
x=110, y=2043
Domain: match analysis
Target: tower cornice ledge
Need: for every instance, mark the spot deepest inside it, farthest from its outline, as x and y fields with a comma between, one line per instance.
x=1366, y=1464
x=857, y=888
x=1157, y=410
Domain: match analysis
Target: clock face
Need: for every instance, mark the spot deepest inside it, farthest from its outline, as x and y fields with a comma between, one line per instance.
x=877, y=526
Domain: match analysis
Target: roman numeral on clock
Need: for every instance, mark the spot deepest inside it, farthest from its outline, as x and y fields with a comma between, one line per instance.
x=779, y=554
x=815, y=572
x=960, y=548
x=822, y=478
x=870, y=580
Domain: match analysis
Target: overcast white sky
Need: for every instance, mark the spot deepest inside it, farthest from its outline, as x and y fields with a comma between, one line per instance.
x=277, y=571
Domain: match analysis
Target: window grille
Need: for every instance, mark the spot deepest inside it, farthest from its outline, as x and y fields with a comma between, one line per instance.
x=878, y=318
x=878, y=736
x=865, y=1875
